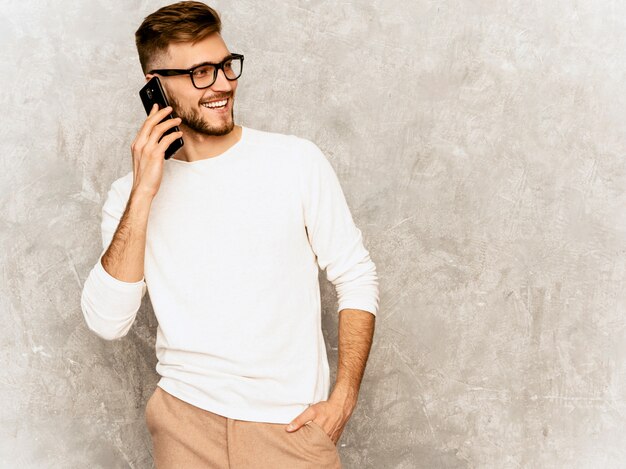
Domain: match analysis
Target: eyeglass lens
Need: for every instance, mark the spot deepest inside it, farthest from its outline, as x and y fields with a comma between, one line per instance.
x=205, y=76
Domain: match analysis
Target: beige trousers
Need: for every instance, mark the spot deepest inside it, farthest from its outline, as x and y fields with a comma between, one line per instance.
x=187, y=437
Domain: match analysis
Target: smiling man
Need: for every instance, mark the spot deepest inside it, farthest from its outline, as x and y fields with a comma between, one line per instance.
x=228, y=236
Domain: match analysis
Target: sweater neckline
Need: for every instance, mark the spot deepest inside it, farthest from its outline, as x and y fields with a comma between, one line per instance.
x=214, y=159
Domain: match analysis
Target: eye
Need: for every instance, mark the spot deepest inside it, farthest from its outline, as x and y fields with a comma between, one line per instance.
x=203, y=71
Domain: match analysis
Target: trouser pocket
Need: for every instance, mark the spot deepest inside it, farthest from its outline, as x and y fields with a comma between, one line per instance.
x=322, y=433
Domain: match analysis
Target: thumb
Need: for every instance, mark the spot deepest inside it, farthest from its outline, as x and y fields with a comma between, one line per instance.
x=299, y=421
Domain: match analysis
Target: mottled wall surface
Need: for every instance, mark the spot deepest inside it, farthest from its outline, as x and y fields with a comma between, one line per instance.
x=481, y=147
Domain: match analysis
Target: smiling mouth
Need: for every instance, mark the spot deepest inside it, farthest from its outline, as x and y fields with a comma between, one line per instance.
x=216, y=104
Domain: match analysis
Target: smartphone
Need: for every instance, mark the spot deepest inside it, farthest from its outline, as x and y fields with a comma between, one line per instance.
x=153, y=93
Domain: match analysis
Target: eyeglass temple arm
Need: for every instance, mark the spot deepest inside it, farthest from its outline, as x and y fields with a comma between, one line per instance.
x=180, y=71
x=171, y=71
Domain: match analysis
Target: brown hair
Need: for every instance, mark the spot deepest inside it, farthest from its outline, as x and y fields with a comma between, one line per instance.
x=187, y=21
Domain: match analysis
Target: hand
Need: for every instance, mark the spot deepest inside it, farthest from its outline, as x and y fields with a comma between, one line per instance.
x=148, y=153
x=331, y=415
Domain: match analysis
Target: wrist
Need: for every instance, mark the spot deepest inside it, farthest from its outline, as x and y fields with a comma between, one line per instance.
x=140, y=201
x=141, y=195
x=344, y=395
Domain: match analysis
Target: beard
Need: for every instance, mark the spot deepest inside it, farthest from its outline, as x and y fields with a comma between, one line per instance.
x=193, y=119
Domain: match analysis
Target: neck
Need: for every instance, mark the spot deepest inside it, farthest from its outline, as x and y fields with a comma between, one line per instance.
x=200, y=146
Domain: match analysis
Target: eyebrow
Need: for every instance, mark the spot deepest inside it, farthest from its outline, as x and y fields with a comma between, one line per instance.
x=229, y=56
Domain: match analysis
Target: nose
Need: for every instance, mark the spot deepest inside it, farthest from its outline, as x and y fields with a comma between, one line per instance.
x=222, y=83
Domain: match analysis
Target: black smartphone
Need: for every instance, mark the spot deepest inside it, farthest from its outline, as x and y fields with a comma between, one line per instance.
x=153, y=93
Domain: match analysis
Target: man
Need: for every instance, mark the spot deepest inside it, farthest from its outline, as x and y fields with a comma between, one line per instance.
x=228, y=236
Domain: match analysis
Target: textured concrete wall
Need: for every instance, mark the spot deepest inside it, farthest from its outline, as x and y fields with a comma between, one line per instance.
x=481, y=146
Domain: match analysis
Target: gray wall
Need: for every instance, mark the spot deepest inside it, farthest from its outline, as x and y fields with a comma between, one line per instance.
x=480, y=145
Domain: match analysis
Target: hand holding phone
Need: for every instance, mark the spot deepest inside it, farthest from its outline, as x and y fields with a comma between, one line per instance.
x=153, y=93
x=148, y=149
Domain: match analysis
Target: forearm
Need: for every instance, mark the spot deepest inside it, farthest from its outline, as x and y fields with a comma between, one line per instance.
x=356, y=332
x=124, y=258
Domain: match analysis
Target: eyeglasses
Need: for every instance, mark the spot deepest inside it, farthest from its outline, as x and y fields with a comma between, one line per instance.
x=204, y=75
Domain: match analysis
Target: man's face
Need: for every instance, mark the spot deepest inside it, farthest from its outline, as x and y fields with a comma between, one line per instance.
x=186, y=100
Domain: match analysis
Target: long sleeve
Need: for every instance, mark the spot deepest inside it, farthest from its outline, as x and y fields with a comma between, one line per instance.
x=110, y=305
x=334, y=238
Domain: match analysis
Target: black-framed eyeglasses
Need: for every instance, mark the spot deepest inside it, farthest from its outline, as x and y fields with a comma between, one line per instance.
x=204, y=75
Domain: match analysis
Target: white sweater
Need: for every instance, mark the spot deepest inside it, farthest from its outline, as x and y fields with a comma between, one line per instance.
x=233, y=245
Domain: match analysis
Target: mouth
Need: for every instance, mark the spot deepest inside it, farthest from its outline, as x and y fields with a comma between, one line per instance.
x=218, y=105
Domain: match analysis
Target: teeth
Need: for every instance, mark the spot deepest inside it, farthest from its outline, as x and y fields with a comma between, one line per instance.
x=216, y=104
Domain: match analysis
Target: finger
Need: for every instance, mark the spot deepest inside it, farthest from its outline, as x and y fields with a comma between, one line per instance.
x=158, y=150
x=153, y=119
x=158, y=116
x=167, y=141
x=166, y=124
x=160, y=129
x=299, y=421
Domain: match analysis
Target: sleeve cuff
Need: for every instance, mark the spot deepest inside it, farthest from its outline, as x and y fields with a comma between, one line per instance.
x=362, y=305
x=115, y=283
